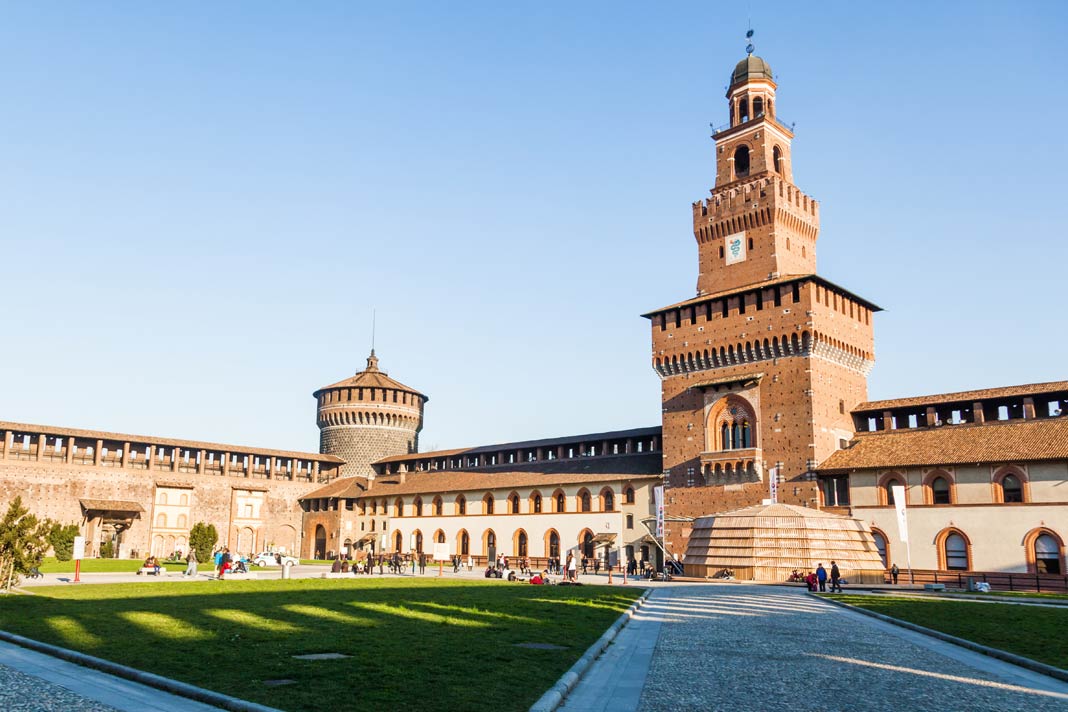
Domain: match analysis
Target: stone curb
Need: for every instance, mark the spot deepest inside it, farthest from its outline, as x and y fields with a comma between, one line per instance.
x=145, y=678
x=1008, y=657
x=556, y=694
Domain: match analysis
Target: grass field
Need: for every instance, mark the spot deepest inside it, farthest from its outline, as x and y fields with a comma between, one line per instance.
x=51, y=566
x=448, y=645
x=1030, y=631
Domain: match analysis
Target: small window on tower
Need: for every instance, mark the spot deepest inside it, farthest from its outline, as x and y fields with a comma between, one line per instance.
x=750, y=243
x=776, y=159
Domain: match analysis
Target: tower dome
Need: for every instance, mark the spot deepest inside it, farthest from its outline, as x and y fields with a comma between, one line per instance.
x=368, y=417
x=750, y=68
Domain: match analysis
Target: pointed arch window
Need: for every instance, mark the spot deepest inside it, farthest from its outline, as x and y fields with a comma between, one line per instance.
x=776, y=158
x=561, y=502
x=585, y=501
x=1047, y=554
x=741, y=162
x=461, y=505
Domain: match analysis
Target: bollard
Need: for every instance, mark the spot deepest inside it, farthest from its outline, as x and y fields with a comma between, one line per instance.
x=287, y=570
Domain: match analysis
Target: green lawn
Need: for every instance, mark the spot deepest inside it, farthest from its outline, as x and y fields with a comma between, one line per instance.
x=326, y=562
x=434, y=645
x=51, y=566
x=1030, y=631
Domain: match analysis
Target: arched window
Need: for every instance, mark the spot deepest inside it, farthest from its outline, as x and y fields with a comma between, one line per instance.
x=741, y=162
x=628, y=495
x=439, y=507
x=1011, y=489
x=491, y=544
x=513, y=503
x=398, y=542
x=439, y=537
x=953, y=550
x=183, y=500
x=536, y=503
x=487, y=503
x=163, y=498
x=585, y=501
x=465, y=543
x=743, y=110
x=758, y=107
x=461, y=505
x=880, y=546
x=1047, y=554
x=181, y=521
x=776, y=158
x=417, y=507
x=161, y=520
x=398, y=509
x=554, y=543
x=587, y=543
x=521, y=544
x=608, y=500
x=732, y=419
x=561, y=502
x=418, y=541
x=886, y=488
x=940, y=490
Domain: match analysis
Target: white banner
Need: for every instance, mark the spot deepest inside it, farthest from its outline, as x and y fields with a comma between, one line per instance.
x=773, y=484
x=734, y=248
x=79, y=548
x=898, y=492
x=658, y=499
x=441, y=552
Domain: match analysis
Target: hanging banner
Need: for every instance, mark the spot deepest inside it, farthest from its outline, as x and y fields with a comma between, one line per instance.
x=773, y=484
x=734, y=248
x=898, y=492
x=658, y=499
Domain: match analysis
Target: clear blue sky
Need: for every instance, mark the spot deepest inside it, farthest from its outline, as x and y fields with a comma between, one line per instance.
x=201, y=204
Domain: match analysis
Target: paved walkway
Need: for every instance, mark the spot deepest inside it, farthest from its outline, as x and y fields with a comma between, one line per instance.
x=32, y=681
x=748, y=647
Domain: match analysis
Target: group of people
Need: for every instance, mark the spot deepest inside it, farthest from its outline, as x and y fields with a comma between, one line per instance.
x=817, y=580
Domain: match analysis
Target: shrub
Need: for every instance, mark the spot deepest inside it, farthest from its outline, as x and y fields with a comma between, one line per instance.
x=202, y=538
x=61, y=537
x=107, y=550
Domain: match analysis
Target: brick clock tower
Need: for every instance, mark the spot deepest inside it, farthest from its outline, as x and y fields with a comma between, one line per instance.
x=760, y=370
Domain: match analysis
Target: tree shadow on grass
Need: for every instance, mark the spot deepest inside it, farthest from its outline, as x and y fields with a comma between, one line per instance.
x=434, y=645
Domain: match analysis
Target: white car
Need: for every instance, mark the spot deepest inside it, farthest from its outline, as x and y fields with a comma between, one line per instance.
x=272, y=558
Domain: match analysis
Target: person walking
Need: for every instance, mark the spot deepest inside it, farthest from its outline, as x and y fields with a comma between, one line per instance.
x=821, y=578
x=413, y=557
x=894, y=571
x=585, y=564
x=191, y=563
x=572, y=574
x=836, y=578
x=422, y=562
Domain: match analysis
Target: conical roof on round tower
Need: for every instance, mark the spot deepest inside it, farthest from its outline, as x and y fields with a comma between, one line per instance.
x=371, y=377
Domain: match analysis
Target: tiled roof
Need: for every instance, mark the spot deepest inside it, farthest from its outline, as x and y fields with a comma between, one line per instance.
x=111, y=505
x=1028, y=389
x=371, y=377
x=169, y=442
x=455, y=482
x=1000, y=441
x=590, y=438
x=786, y=279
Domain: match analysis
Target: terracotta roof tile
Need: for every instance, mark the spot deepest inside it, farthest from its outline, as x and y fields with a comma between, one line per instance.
x=111, y=505
x=1000, y=441
x=1027, y=389
x=371, y=377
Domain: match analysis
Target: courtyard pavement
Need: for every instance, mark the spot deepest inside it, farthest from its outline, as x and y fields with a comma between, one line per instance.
x=749, y=647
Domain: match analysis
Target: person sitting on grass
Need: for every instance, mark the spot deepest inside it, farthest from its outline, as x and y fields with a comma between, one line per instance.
x=537, y=579
x=335, y=568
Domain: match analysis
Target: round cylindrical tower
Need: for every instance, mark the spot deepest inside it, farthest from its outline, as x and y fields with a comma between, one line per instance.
x=368, y=417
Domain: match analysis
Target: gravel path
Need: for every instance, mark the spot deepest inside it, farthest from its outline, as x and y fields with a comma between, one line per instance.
x=20, y=692
x=761, y=648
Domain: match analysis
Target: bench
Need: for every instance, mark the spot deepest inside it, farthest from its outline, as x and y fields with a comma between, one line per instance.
x=150, y=571
x=934, y=587
x=337, y=575
x=239, y=575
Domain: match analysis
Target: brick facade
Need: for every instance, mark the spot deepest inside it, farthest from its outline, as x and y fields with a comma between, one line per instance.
x=761, y=369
